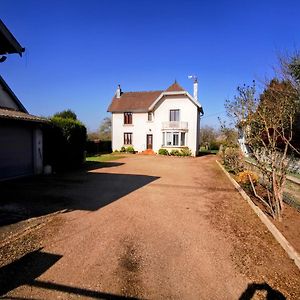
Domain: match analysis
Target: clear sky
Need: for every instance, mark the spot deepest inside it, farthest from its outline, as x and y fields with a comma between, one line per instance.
x=77, y=51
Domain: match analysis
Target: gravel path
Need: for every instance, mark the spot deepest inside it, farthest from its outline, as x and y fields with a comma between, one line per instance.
x=153, y=228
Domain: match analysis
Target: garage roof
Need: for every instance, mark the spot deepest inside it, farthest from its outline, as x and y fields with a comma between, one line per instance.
x=19, y=115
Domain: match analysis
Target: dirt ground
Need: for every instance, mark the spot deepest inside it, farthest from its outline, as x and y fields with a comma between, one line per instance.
x=144, y=227
x=290, y=224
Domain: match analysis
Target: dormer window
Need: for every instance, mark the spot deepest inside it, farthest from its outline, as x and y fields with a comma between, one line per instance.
x=127, y=118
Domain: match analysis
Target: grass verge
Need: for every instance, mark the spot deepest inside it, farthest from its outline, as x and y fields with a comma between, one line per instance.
x=104, y=157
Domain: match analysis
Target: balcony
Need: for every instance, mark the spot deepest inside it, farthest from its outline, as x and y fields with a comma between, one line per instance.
x=175, y=125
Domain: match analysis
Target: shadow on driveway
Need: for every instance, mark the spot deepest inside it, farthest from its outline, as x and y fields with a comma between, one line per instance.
x=271, y=294
x=27, y=269
x=82, y=190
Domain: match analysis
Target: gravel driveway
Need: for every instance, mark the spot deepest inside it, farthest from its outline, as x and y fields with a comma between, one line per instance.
x=151, y=227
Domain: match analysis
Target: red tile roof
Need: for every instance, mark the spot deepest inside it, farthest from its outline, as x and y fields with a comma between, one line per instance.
x=175, y=87
x=139, y=101
x=133, y=101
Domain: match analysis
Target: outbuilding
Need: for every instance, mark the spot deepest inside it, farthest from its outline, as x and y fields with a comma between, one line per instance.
x=21, y=137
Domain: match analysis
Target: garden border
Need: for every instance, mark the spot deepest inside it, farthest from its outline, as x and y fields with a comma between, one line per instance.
x=292, y=253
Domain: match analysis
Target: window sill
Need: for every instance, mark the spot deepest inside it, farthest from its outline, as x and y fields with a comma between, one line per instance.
x=127, y=125
x=173, y=146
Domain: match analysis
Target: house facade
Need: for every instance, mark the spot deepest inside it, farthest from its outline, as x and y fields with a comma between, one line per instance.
x=152, y=120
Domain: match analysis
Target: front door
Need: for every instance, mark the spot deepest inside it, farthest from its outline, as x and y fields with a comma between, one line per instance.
x=149, y=141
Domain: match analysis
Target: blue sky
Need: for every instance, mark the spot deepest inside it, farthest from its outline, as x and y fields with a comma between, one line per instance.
x=78, y=51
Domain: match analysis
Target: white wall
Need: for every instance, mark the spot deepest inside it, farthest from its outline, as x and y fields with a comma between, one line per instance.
x=242, y=142
x=5, y=100
x=141, y=127
x=188, y=113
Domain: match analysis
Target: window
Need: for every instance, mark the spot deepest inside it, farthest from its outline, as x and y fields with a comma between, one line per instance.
x=169, y=139
x=182, y=140
x=128, y=138
x=174, y=115
x=173, y=138
x=127, y=118
x=176, y=139
x=149, y=116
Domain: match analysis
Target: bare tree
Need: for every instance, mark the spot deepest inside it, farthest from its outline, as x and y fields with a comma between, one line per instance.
x=228, y=135
x=208, y=136
x=93, y=135
x=290, y=71
x=105, y=129
x=242, y=105
x=267, y=123
x=103, y=133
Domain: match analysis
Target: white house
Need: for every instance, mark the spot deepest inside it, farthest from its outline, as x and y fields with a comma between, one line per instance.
x=152, y=120
x=242, y=140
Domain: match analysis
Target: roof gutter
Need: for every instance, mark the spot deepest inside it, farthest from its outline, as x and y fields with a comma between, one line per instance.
x=10, y=44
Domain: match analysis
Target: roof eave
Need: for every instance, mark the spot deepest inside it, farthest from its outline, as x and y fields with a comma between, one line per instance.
x=129, y=110
x=25, y=119
x=172, y=94
x=13, y=45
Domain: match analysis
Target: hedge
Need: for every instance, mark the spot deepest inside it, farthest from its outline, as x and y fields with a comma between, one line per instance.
x=98, y=147
x=64, y=143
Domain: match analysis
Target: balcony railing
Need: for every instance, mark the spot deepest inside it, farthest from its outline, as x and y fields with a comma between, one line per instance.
x=175, y=125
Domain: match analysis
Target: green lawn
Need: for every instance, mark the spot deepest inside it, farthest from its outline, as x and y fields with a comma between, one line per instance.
x=104, y=157
x=204, y=152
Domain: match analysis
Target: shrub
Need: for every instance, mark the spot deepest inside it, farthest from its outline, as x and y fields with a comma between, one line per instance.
x=175, y=152
x=214, y=146
x=232, y=159
x=243, y=177
x=163, y=151
x=64, y=143
x=123, y=149
x=66, y=114
x=130, y=149
x=186, y=152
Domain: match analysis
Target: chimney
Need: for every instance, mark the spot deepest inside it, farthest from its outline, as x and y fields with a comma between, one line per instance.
x=196, y=89
x=118, y=92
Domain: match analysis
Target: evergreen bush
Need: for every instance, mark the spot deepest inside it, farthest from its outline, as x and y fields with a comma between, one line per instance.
x=186, y=152
x=64, y=143
x=175, y=152
x=163, y=151
x=130, y=149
